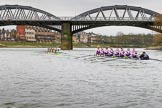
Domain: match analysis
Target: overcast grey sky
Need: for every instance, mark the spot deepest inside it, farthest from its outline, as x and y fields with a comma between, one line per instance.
x=75, y=7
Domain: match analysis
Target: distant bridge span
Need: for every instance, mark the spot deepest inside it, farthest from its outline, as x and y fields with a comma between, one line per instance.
x=117, y=15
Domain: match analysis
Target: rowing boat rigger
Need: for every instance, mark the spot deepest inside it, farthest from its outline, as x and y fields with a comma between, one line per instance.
x=125, y=57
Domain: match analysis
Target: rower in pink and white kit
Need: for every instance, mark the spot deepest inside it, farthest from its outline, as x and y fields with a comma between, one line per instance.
x=102, y=52
x=117, y=52
x=106, y=51
x=111, y=52
x=127, y=53
x=134, y=53
x=98, y=52
x=121, y=52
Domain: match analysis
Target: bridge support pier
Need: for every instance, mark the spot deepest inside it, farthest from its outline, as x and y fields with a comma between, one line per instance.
x=66, y=37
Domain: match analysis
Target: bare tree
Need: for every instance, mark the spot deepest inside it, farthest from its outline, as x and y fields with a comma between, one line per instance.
x=3, y=34
x=13, y=34
x=0, y=34
x=158, y=24
x=7, y=34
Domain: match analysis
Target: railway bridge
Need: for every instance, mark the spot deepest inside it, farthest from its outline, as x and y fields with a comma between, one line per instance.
x=117, y=15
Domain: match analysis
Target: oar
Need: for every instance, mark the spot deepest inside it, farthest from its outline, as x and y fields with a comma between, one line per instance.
x=83, y=56
x=155, y=59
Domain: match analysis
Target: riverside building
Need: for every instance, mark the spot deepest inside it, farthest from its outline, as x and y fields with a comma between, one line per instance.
x=34, y=33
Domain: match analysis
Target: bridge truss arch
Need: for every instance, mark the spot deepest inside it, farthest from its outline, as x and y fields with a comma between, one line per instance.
x=117, y=15
x=27, y=15
x=17, y=12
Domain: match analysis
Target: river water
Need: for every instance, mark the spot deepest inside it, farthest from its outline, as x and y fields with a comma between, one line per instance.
x=33, y=78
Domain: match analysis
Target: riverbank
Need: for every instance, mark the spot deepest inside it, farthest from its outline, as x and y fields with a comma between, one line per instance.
x=13, y=44
x=6, y=44
x=154, y=48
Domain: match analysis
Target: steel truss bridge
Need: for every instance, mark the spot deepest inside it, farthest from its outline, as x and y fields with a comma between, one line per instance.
x=117, y=15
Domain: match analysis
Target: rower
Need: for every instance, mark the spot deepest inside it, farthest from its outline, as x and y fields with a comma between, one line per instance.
x=102, y=52
x=98, y=51
x=106, y=51
x=134, y=54
x=111, y=52
x=121, y=52
x=117, y=53
x=127, y=53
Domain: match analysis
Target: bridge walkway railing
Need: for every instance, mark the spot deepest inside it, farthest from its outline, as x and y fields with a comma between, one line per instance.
x=84, y=19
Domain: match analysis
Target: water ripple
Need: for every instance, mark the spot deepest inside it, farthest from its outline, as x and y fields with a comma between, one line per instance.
x=32, y=78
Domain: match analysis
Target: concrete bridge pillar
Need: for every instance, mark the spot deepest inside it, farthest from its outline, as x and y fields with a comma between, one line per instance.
x=66, y=36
